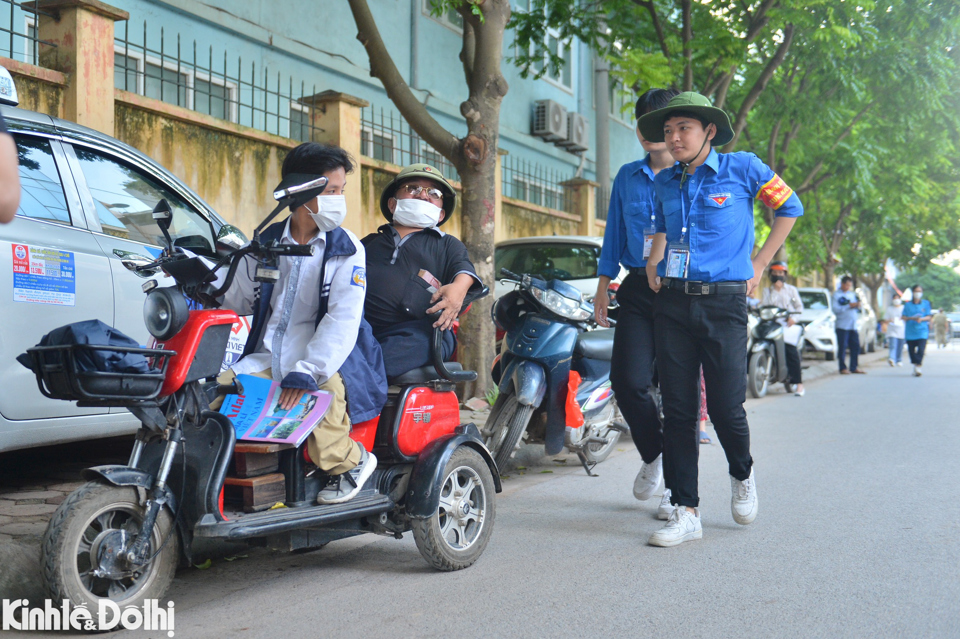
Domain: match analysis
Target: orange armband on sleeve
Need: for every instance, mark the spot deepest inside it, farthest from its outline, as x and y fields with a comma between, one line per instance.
x=775, y=192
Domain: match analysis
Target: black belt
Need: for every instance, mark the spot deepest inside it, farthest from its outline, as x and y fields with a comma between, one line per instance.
x=705, y=288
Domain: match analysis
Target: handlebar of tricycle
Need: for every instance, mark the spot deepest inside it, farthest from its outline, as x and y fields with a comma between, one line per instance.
x=436, y=346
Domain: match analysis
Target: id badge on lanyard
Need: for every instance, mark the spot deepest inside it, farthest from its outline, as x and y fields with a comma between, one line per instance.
x=648, y=234
x=678, y=253
x=678, y=258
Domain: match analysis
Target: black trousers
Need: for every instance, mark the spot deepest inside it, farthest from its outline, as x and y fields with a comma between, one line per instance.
x=632, y=365
x=916, y=348
x=689, y=331
x=794, y=370
x=848, y=338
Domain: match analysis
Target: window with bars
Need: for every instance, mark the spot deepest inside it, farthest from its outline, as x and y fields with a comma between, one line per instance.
x=184, y=87
x=377, y=145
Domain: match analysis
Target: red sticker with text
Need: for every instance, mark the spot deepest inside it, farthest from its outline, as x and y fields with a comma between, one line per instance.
x=775, y=192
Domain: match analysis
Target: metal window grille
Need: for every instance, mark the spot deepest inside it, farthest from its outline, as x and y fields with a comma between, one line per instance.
x=18, y=31
x=205, y=81
x=531, y=182
x=603, y=202
x=387, y=137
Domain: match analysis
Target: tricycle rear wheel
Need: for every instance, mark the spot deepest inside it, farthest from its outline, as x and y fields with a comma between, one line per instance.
x=456, y=534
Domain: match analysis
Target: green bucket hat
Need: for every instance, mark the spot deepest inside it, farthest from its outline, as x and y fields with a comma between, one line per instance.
x=419, y=171
x=651, y=124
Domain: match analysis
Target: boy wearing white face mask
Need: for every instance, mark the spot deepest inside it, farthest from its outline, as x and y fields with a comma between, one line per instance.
x=415, y=269
x=307, y=330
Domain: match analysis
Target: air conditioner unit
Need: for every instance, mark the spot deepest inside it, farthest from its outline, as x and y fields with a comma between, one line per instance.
x=577, y=138
x=549, y=120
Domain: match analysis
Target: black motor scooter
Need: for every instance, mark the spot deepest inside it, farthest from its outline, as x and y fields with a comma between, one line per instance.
x=767, y=363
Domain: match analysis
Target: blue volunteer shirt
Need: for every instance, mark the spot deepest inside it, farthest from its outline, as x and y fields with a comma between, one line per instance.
x=716, y=206
x=917, y=330
x=846, y=316
x=631, y=212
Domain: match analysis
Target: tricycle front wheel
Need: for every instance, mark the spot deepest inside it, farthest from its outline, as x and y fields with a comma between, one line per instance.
x=456, y=534
x=79, y=555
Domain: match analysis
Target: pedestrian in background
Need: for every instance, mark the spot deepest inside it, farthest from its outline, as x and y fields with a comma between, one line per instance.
x=626, y=240
x=916, y=315
x=847, y=308
x=895, y=335
x=941, y=323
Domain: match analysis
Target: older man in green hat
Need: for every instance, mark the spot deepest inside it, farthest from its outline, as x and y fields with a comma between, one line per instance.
x=415, y=270
x=701, y=266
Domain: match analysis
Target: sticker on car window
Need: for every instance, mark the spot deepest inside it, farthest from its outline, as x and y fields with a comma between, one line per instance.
x=44, y=276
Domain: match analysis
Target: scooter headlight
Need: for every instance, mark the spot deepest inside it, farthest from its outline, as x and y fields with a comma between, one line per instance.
x=768, y=313
x=165, y=312
x=562, y=306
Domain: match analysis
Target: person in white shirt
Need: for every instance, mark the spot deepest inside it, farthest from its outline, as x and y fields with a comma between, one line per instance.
x=895, y=331
x=308, y=331
x=787, y=296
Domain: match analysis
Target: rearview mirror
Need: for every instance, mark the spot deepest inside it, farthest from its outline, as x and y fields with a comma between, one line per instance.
x=230, y=238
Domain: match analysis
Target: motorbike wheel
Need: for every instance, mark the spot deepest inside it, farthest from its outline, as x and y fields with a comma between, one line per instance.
x=596, y=453
x=455, y=536
x=91, y=523
x=510, y=419
x=758, y=373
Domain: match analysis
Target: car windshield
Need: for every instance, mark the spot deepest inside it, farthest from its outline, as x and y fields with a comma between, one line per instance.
x=549, y=261
x=814, y=301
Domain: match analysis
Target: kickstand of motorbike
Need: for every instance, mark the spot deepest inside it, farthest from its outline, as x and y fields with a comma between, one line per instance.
x=587, y=465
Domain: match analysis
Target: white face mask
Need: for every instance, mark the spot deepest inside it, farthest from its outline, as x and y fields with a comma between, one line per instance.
x=918, y=295
x=331, y=211
x=897, y=301
x=419, y=214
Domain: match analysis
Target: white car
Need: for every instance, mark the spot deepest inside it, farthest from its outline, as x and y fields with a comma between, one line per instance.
x=85, y=205
x=571, y=258
x=819, y=321
x=866, y=323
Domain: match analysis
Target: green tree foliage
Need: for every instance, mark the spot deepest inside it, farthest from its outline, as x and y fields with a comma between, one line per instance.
x=855, y=104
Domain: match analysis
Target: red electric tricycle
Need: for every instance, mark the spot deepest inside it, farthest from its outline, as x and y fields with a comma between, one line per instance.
x=122, y=534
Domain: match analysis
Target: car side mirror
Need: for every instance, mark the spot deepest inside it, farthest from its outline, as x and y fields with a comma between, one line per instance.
x=230, y=238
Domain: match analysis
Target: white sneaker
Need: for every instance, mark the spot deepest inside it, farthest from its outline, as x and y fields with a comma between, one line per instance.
x=666, y=508
x=682, y=526
x=344, y=487
x=917, y=371
x=648, y=479
x=890, y=361
x=744, y=503
x=900, y=363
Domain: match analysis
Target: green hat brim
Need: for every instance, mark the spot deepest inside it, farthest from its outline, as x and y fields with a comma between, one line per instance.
x=449, y=195
x=651, y=124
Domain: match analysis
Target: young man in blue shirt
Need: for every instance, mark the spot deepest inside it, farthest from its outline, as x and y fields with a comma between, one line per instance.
x=916, y=316
x=846, y=307
x=701, y=268
x=627, y=240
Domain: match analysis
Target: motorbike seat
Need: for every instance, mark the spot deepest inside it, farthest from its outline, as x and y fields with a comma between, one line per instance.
x=422, y=375
x=596, y=344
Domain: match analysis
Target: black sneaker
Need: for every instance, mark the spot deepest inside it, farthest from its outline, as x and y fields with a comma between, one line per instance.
x=345, y=486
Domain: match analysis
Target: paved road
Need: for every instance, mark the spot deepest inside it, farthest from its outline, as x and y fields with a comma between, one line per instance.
x=857, y=537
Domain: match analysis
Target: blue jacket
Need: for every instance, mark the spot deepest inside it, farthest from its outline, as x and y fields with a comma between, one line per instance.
x=362, y=372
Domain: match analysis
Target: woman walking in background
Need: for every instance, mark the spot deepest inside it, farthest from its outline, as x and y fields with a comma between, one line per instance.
x=916, y=315
x=895, y=334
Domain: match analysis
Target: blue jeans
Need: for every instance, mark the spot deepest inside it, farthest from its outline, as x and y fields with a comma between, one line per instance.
x=895, y=344
x=851, y=339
